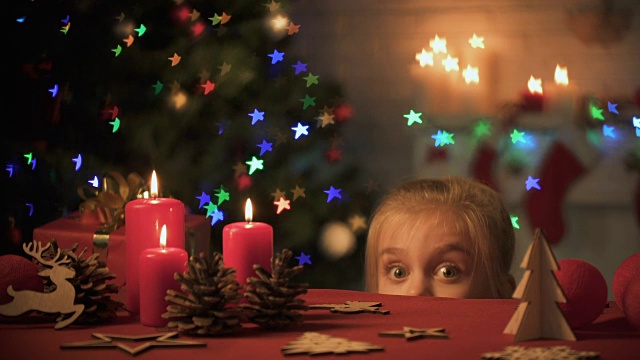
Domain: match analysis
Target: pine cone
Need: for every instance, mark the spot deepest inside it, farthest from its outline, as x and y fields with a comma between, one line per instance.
x=90, y=284
x=273, y=302
x=202, y=308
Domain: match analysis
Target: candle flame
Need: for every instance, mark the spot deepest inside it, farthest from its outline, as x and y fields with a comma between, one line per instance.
x=248, y=211
x=163, y=237
x=535, y=85
x=561, y=77
x=154, y=185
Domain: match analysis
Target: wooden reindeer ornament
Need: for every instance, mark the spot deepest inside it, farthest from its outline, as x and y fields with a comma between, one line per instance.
x=58, y=301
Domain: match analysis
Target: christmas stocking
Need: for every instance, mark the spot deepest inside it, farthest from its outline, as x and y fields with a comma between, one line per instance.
x=559, y=169
x=482, y=165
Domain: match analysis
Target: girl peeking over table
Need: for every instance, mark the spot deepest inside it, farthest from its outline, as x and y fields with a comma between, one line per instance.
x=449, y=237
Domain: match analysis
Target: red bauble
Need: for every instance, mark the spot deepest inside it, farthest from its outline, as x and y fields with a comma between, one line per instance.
x=629, y=268
x=585, y=289
x=631, y=300
x=20, y=273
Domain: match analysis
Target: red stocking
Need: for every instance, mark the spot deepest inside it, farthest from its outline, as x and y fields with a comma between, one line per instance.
x=559, y=170
x=482, y=165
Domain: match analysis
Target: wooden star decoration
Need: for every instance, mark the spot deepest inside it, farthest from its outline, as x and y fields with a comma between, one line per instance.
x=552, y=352
x=108, y=341
x=313, y=343
x=353, y=307
x=410, y=333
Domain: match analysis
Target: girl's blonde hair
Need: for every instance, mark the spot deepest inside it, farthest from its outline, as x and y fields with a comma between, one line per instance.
x=478, y=209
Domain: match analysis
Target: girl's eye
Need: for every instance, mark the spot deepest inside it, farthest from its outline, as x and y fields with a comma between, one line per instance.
x=397, y=272
x=447, y=271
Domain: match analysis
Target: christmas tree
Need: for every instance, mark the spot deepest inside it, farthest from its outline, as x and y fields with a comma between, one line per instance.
x=538, y=315
x=209, y=94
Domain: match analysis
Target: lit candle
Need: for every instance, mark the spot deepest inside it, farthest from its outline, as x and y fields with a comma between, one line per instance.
x=245, y=244
x=562, y=99
x=533, y=100
x=157, y=267
x=142, y=230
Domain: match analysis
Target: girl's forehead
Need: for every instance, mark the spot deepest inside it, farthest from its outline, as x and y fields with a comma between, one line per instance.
x=432, y=225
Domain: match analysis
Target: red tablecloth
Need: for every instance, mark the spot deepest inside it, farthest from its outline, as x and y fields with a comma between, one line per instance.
x=474, y=327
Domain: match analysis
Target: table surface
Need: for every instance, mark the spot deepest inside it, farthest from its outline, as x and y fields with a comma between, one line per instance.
x=473, y=326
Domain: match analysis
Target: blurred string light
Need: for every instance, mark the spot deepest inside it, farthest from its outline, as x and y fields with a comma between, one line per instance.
x=336, y=240
x=30, y=206
x=9, y=168
x=94, y=182
x=78, y=161
x=283, y=204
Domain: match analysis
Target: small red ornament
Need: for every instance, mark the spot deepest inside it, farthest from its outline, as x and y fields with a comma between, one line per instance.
x=631, y=300
x=585, y=289
x=629, y=268
x=342, y=112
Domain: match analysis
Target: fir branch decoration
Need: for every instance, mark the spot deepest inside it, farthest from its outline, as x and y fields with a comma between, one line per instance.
x=273, y=302
x=202, y=308
x=90, y=284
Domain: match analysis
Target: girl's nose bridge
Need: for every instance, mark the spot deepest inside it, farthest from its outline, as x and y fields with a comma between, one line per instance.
x=420, y=286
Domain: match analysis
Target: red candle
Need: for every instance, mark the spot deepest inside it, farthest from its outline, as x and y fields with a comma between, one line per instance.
x=533, y=99
x=157, y=266
x=245, y=244
x=142, y=228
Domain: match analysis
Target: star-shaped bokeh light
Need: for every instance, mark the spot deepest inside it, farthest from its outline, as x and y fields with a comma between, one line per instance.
x=412, y=117
x=283, y=204
x=303, y=259
x=276, y=56
x=532, y=183
x=477, y=42
x=471, y=75
x=439, y=45
x=254, y=164
x=333, y=193
x=300, y=130
x=424, y=58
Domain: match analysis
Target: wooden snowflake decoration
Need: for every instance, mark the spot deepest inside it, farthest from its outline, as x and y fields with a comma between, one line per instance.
x=314, y=343
x=531, y=353
x=353, y=307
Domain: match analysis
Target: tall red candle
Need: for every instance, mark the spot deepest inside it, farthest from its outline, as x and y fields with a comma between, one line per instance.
x=245, y=244
x=157, y=267
x=143, y=219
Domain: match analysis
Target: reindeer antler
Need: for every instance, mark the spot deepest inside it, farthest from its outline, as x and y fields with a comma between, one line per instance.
x=35, y=249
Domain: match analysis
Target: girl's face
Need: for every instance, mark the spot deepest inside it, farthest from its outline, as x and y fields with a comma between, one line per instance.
x=430, y=260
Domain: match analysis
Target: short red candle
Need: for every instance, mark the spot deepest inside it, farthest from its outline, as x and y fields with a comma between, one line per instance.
x=157, y=268
x=245, y=244
x=533, y=99
x=143, y=218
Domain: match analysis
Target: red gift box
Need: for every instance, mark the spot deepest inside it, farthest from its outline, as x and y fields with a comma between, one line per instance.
x=111, y=246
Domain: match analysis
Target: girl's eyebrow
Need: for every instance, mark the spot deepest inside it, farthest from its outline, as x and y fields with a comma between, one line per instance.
x=451, y=247
x=392, y=251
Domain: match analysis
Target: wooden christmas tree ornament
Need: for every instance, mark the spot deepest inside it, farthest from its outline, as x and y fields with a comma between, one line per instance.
x=59, y=301
x=539, y=315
